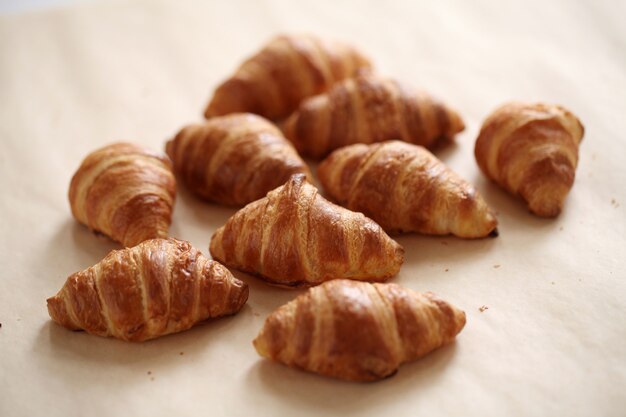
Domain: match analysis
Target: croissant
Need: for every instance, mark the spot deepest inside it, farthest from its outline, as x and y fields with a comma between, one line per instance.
x=357, y=331
x=294, y=237
x=404, y=187
x=531, y=150
x=288, y=69
x=125, y=192
x=159, y=287
x=234, y=159
x=367, y=109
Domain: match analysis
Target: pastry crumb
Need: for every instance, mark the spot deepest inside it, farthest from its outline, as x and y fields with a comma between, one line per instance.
x=446, y=270
x=149, y=372
x=151, y=378
x=497, y=266
x=553, y=282
x=482, y=308
x=181, y=353
x=561, y=228
x=614, y=203
x=256, y=314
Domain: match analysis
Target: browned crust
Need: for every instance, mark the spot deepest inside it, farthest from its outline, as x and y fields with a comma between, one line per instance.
x=159, y=287
x=293, y=237
x=234, y=159
x=367, y=109
x=405, y=188
x=357, y=331
x=125, y=192
x=287, y=70
x=531, y=150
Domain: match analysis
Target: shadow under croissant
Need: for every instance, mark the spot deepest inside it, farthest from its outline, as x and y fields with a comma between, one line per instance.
x=337, y=396
x=421, y=249
x=209, y=214
x=512, y=211
x=69, y=347
x=445, y=149
x=85, y=246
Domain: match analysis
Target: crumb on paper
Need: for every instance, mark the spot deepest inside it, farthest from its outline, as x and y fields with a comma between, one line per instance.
x=561, y=228
x=446, y=270
x=553, y=282
x=497, y=266
x=482, y=308
x=443, y=242
x=149, y=372
x=614, y=203
x=151, y=378
x=256, y=314
x=181, y=353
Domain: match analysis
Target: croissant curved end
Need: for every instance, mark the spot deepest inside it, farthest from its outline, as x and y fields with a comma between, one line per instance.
x=58, y=312
x=260, y=344
x=232, y=96
x=547, y=201
x=457, y=124
x=460, y=320
x=244, y=293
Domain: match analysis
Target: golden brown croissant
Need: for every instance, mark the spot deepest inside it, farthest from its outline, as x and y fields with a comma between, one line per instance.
x=294, y=237
x=404, y=187
x=367, y=109
x=357, y=331
x=159, y=287
x=125, y=192
x=531, y=150
x=288, y=69
x=234, y=159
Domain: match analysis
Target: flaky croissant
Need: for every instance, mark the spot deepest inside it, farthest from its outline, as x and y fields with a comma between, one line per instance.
x=531, y=150
x=159, y=287
x=367, y=109
x=357, y=331
x=288, y=69
x=403, y=188
x=294, y=237
x=124, y=191
x=234, y=159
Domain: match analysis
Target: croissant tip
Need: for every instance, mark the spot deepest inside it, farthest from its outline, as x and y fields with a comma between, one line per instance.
x=208, y=112
x=494, y=233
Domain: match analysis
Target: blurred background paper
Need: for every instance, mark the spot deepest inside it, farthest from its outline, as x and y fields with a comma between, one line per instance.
x=546, y=331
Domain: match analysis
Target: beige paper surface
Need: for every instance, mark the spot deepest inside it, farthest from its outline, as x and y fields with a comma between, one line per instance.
x=553, y=339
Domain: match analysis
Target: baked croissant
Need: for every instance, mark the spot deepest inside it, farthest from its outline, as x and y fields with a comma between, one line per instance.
x=294, y=237
x=531, y=150
x=124, y=191
x=234, y=159
x=357, y=331
x=404, y=187
x=367, y=109
x=159, y=287
x=288, y=69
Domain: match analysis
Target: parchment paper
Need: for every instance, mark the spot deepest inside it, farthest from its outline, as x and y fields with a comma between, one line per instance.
x=552, y=340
